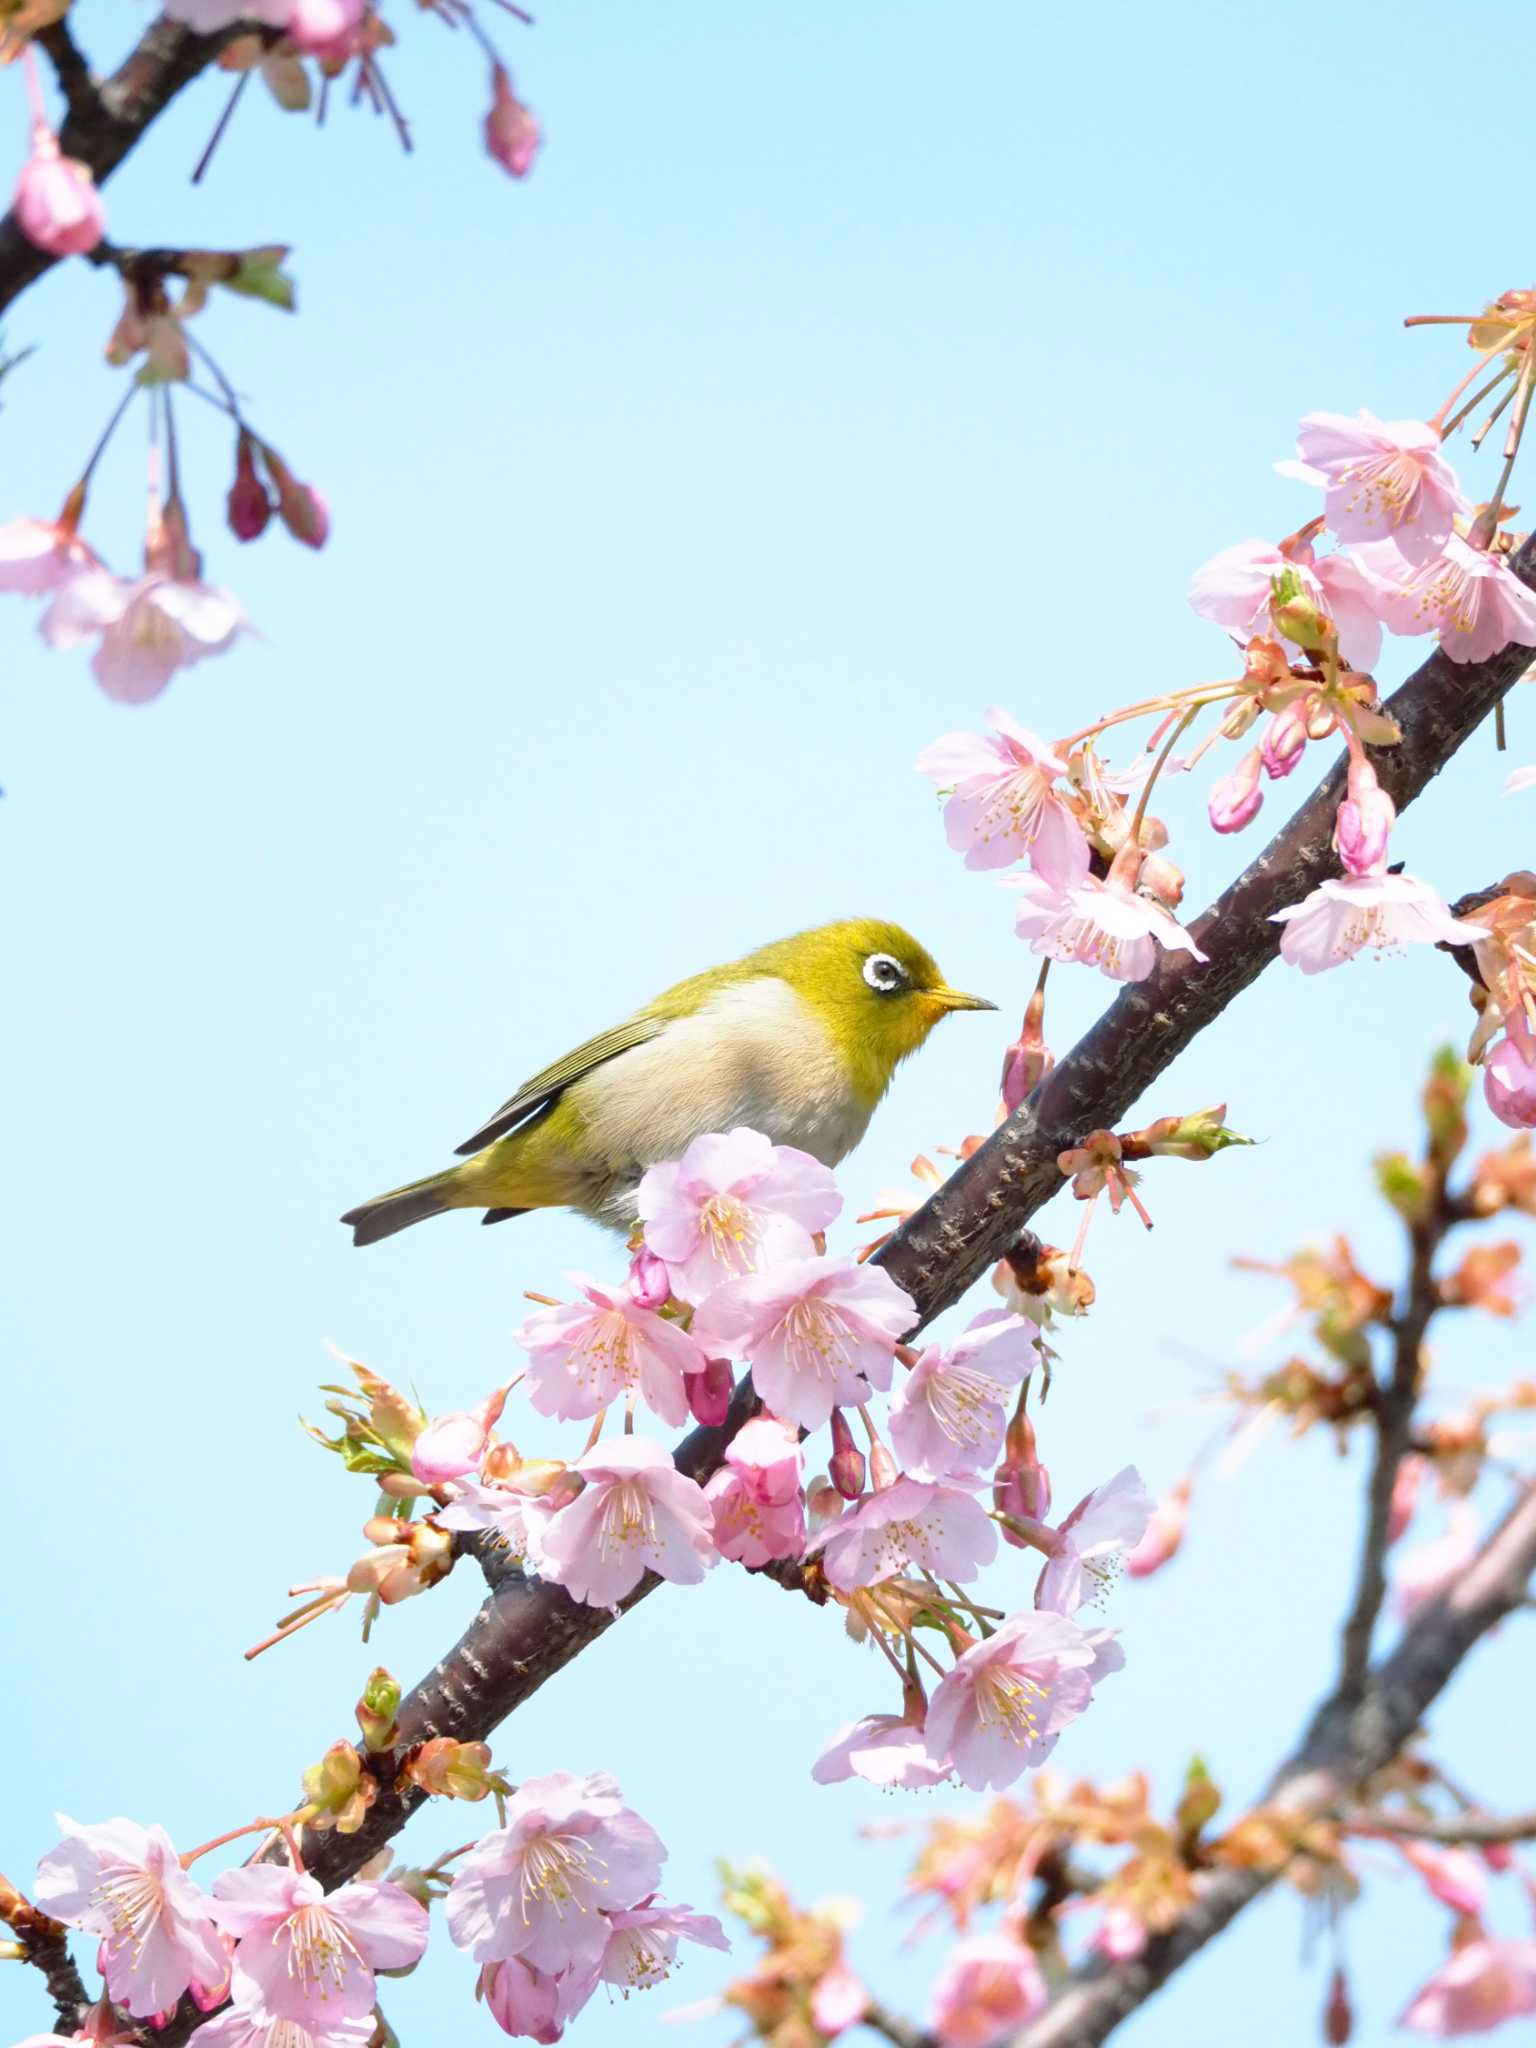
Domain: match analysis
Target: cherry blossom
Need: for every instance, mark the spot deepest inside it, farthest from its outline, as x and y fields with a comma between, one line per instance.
x=145, y=630
x=1105, y=924
x=537, y=1887
x=241, y=2026
x=642, y=1942
x=302, y=1953
x=838, y=2000
x=1482, y=1985
x=1004, y=805
x=531, y=2004
x=1516, y=779
x=818, y=1333
x=990, y=1986
x=1379, y=911
x=1455, y=1877
x=755, y=1497
x=883, y=1749
x=1234, y=589
x=125, y=1883
x=511, y=132
x=38, y=556
x=1385, y=480
x=1465, y=595
x=1509, y=1082
x=950, y=1413
x=56, y=204
x=1002, y=1707
x=733, y=1204
x=936, y=1529
x=637, y=1514
x=1092, y=1541
x=588, y=1354
x=452, y=1445
x=516, y=1518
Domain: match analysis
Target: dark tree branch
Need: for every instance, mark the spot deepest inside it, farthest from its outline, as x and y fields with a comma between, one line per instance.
x=1348, y=1742
x=105, y=121
x=46, y=1943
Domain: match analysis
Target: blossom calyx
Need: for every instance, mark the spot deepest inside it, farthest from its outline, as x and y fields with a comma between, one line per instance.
x=338, y=1790
x=1298, y=617
x=377, y=1708
x=455, y=1770
x=1198, y=1803
x=1199, y=1135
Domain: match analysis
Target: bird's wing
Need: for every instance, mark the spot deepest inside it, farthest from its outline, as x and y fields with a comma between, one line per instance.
x=542, y=1090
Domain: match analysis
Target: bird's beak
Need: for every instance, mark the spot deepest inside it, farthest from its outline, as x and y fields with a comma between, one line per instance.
x=956, y=999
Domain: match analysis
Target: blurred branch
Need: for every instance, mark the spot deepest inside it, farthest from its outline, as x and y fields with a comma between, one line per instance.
x=1462, y=1830
x=106, y=120
x=45, y=1943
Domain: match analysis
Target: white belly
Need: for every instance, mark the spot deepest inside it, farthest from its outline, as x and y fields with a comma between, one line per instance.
x=755, y=1055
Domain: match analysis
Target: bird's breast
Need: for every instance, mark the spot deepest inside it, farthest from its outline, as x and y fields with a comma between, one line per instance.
x=755, y=1054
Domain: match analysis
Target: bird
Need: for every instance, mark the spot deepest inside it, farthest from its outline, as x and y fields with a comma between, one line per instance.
x=798, y=1040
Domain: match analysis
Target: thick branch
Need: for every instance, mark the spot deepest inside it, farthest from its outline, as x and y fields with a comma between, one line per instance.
x=1347, y=1743
x=105, y=121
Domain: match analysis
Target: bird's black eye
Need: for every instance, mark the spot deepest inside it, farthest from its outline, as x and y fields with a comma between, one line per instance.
x=885, y=975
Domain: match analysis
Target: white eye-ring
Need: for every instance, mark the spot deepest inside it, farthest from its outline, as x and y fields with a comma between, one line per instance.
x=884, y=974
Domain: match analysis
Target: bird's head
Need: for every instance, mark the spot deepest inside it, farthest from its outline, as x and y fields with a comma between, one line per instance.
x=875, y=988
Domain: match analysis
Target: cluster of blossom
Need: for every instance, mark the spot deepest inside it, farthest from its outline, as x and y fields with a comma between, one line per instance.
x=1412, y=554
x=559, y=1898
x=729, y=1263
x=144, y=629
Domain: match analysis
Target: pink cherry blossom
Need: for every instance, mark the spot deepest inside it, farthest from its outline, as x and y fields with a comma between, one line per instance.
x=56, y=204
x=516, y=1519
x=588, y=1354
x=1363, y=824
x=755, y=1497
x=649, y=1282
x=818, y=1333
x=1379, y=911
x=1121, y=1934
x=936, y=1529
x=638, y=1514
x=452, y=1445
x=302, y=1953
x=838, y=2000
x=239, y=2026
x=1431, y=1569
x=538, y=1887
x=990, y=1986
x=38, y=556
x=1234, y=588
x=1482, y=1985
x=125, y=1884
x=1002, y=1707
x=733, y=1204
x=642, y=1943
x=1509, y=1083
x=1163, y=1534
x=531, y=2004
x=1235, y=798
x=1091, y=1543
x=327, y=29
x=511, y=132
x=1385, y=480
x=1455, y=1877
x=1105, y=924
x=883, y=1749
x=1516, y=779
x=1466, y=595
x=950, y=1413
x=145, y=630
x=1004, y=805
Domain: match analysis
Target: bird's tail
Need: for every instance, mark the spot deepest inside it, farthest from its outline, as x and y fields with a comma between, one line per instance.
x=401, y=1207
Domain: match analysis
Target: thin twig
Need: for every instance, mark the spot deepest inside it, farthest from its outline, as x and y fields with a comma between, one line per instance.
x=1462, y=1830
x=45, y=1944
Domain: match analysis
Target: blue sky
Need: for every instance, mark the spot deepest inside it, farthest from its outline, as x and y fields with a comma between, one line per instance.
x=836, y=374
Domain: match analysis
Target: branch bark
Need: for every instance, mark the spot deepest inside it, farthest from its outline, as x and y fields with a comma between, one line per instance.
x=1456, y=1831
x=46, y=1944
x=106, y=120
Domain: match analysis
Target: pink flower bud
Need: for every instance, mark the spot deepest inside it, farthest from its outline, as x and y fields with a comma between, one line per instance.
x=1236, y=798
x=709, y=1392
x=1509, y=1085
x=1029, y=1059
x=247, y=508
x=650, y=1285
x=1338, y=2015
x=823, y=1504
x=300, y=506
x=1363, y=824
x=56, y=203
x=1021, y=1486
x=511, y=132
x=325, y=28
x=883, y=1469
x=846, y=1464
x=1285, y=741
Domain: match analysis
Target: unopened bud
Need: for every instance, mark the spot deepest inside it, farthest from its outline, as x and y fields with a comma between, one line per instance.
x=1285, y=740
x=709, y=1392
x=377, y=1708
x=1297, y=616
x=650, y=1284
x=1199, y=1802
x=1364, y=821
x=823, y=1504
x=454, y=1770
x=1029, y=1059
x=300, y=506
x=1406, y=1184
x=1200, y=1135
x=883, y=1469
x=1234, y=801
x=1338, y=2014
x=846, y=1465
x=247, y=508
x=339, y=1790
x=1021, y=1486
x=1445, y=1104
x=1162, y=880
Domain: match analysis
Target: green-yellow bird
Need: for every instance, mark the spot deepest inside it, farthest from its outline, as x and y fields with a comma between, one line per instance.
x=798, y=1040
